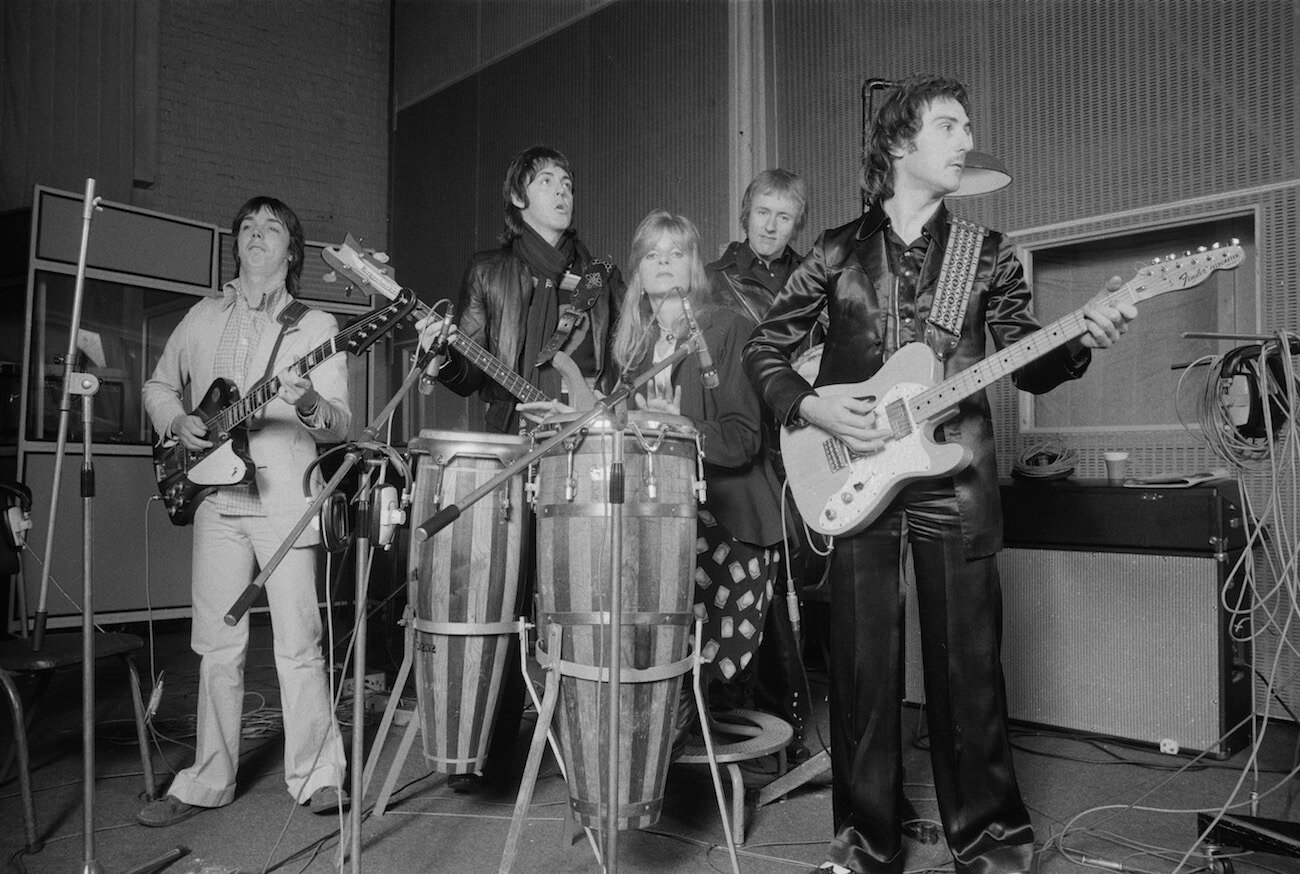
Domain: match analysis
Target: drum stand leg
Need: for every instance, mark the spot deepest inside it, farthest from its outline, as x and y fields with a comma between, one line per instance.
x=550, y=734
x=399, y=686
x=707, y=733
x=544, y=715
x=408, y=737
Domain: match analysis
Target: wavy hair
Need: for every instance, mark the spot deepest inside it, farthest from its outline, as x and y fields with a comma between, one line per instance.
x=288, y=218
x=896, y=126
x=634, y=335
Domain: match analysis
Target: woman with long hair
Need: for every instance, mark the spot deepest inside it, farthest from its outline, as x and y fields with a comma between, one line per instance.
x=741, y=521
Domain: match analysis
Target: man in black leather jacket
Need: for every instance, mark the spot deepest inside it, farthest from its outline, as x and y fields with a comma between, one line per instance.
x=876, y=277
x=513, y=297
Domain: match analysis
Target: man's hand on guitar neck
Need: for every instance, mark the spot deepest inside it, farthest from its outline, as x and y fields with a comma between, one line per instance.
x=1105, y=321
x=853, y=420
x=430, y=329
x=190, y=430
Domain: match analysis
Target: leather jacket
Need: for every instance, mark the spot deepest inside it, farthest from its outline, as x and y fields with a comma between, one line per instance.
x=493, y=312
x=847, y=275
x=735, y=287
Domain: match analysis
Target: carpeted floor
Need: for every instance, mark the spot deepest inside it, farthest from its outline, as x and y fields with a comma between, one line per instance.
x=1121, y=806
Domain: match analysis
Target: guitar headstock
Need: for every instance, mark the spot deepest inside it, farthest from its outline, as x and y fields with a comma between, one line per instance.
x=1173, y=273
x=361, y=333
x=361, y=268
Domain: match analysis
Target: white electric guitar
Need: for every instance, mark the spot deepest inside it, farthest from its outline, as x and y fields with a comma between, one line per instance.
x=839, y=492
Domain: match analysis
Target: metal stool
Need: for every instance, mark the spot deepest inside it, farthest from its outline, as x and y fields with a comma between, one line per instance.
x=59, y=651
x=762, y=735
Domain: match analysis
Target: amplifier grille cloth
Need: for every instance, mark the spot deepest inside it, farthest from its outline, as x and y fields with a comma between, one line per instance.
x=1110, y=643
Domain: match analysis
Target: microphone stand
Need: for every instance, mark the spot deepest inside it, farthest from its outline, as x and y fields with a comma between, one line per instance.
x=364, y=449
x=607, y=406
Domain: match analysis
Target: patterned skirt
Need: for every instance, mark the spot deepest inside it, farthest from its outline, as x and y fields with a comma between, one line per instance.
x=733, y=587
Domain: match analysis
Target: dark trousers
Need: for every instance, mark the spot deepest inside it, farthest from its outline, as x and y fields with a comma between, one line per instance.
x=960, y=608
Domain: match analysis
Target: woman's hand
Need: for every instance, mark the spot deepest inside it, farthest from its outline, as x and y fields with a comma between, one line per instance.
x=539, y=411
x=656, y=400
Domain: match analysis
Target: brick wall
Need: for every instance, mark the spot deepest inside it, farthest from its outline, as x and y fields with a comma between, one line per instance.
x=288, y=98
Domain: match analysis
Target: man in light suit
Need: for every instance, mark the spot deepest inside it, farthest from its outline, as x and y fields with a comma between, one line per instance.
x=247, y=333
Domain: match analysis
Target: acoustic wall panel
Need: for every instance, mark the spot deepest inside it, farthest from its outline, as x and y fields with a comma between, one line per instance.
x=633, y=94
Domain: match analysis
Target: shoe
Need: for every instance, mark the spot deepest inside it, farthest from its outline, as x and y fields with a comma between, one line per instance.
x=465, y=784
x=165, y=811
x=328, y=799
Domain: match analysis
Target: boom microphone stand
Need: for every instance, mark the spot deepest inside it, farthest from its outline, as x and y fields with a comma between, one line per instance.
x=365, y=448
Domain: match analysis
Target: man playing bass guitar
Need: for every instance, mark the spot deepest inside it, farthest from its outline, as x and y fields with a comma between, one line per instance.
x=241, y=336
x=885, y=280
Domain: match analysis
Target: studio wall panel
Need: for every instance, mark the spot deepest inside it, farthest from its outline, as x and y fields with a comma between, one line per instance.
x=633, y=94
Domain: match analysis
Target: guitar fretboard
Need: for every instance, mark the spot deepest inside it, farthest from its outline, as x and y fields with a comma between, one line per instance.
x=942, y=396
x=491, y=365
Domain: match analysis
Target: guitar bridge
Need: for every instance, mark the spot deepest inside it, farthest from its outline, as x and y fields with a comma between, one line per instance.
x=837, y=453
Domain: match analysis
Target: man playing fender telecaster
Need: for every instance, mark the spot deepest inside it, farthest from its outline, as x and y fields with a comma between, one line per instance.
x=890, y=277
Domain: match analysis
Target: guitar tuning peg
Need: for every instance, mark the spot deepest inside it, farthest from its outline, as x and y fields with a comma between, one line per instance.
x=1187, y=253
x=1235, y=242
x=331, y=277
x=1200, y=248
x=1169, y=257
x=1215, y=245
x=1155, y=260
x=381, y=257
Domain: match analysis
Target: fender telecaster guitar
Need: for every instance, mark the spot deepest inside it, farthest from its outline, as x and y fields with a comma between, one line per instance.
x=839, y=492
x=186, y=477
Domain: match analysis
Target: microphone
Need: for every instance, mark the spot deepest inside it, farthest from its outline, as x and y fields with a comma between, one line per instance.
x=708, y=373
x=438, y=349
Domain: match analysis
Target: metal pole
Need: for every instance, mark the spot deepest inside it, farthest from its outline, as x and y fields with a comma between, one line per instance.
x=616, y=491
x=65, y=409
x=87, y=629
x=359, y=668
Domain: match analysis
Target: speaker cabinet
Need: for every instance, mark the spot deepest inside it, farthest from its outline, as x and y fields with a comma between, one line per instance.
x=1120, y=642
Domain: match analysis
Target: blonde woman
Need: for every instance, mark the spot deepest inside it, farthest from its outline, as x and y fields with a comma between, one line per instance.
x=740, y=525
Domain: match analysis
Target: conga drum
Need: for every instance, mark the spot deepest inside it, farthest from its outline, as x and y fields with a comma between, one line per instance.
x=663, y=466
x=463, y=585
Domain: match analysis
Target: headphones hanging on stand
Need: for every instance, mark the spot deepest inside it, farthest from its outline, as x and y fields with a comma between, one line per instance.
x=1249, y=391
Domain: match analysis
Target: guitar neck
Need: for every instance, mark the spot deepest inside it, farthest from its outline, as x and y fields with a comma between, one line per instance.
x=948, y=393
x=264, y=391
x=491, y=365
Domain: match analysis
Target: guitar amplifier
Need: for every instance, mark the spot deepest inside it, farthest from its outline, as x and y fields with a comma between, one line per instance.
x=1113, y=621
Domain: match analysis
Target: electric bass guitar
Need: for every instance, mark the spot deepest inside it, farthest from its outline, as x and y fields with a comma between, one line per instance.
x=365, y=272
x=839, y=492
x=186, y=476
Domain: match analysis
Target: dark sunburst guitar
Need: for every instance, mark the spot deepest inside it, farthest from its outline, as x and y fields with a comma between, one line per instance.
x=839, y=492
x=186, y=477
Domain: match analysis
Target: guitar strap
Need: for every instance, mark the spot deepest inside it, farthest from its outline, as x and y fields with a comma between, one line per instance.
x=961, y=259
x=583, y=294
x=289, y=316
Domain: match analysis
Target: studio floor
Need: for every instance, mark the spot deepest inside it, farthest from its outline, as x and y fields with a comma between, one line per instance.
x=1129, y=807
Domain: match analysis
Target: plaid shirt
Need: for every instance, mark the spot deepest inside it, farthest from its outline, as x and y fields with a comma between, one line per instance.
x=244, y=330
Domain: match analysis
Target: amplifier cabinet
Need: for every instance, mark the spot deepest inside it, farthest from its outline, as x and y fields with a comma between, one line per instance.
x=1115, y=641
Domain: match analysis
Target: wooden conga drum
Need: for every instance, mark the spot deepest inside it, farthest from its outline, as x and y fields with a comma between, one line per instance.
x=662, y=469
x=463, y=586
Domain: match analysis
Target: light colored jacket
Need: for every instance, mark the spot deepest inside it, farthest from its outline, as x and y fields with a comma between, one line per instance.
x=281, y=443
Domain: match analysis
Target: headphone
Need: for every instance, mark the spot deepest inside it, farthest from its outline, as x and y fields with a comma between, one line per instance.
x=17, y=519
x=1241, y=368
